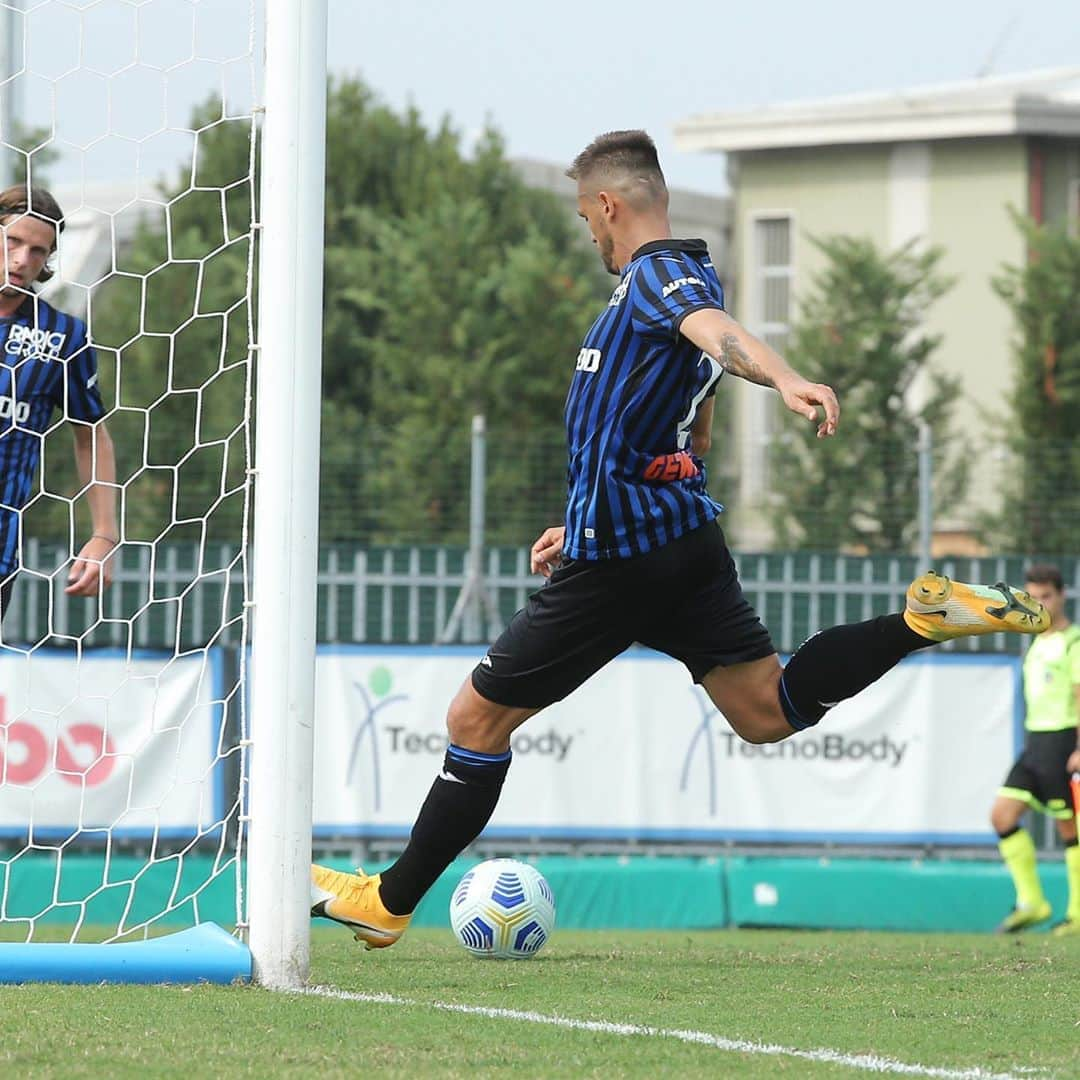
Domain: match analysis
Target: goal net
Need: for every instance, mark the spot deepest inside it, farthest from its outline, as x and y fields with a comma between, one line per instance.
x=123, y=731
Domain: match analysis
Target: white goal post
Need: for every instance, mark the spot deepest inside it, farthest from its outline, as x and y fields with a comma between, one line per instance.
x=287, y=489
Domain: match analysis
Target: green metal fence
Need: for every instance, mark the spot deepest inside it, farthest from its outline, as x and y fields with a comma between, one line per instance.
x=189, y=595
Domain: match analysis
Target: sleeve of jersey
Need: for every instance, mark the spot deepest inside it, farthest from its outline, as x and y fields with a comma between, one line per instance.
x=664, y=291
x=83, y=394
x=1073, y=654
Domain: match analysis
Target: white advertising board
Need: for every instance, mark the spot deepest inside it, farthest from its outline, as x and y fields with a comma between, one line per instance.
x=109, y=742
x=638, y=751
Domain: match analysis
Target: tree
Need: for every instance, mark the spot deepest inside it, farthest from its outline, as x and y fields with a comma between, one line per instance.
x=450, y=288
x=469, y=323
x=1042, y=494
x=28, y=149
x=170, y=326
x=860, y=332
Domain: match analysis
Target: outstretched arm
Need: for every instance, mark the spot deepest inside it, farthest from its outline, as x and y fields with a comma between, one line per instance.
x=739, y=352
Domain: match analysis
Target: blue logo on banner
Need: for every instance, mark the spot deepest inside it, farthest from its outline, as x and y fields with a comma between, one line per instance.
x=375, y=697
x=702, y=742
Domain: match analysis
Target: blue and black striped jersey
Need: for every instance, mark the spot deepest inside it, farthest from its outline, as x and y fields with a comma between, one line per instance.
x=46, y=362
x=635, y=484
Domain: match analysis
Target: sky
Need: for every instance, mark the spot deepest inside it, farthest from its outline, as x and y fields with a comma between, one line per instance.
x=548, y=75
x=552, y=75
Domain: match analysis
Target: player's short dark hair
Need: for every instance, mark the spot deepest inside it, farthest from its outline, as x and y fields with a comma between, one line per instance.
x=622, y=155
x=1045, y=574
x=20, y=200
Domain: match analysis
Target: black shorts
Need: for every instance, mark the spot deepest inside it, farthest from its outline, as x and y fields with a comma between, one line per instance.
x=682, y=599
x=1038, y=778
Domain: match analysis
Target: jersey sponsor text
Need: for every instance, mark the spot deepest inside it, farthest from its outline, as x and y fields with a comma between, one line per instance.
x=31, y=343
x=679, y=283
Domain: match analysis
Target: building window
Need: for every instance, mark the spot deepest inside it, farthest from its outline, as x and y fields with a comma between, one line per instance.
x=772, y=241
x=771, y=286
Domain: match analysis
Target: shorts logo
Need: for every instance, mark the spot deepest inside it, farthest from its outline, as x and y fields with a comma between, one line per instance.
x=678, y=283
x=588, y=360
x=27, y=343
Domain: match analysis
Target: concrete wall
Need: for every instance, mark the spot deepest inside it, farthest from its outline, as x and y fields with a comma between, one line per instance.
x=1062, y=172
x=950, y=193
x=973, y=183
x=826, y=190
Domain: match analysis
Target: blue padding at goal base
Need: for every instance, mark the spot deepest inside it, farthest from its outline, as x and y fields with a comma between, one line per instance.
x=205, y=953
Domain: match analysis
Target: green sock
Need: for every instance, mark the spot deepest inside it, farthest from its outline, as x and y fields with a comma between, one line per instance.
x=1072, y=874
x=1018, y=851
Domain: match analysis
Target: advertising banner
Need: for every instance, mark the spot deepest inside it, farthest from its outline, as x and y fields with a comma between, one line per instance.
x=640, y=752
x=104, y=741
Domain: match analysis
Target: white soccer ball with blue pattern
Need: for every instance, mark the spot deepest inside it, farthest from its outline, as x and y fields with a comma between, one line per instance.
x=504, y=909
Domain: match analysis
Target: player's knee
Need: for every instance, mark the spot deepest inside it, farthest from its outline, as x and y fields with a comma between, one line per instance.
x=466, y=725
x=475, y=723
x=1003, y=818
x=751, y=702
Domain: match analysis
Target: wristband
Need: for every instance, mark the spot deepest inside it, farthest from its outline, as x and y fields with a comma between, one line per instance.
x=101, y=536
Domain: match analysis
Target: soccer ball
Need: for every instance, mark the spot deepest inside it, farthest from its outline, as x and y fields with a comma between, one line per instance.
x=503, y=908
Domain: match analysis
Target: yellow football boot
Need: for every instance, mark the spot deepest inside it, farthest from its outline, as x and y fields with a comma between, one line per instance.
x=353, y=900
x=1066, y=928
x=940, y=609
x=1020, y=918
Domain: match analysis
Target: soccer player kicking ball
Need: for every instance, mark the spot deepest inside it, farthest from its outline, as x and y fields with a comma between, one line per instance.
x=1039, y=780
x=640, y=556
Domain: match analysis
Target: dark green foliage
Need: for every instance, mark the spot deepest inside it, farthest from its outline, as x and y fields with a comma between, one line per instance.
x=171, y=328
x=1042, y=513
x=860, y=332
x=450, y=288
x=28, y=149
x=469, y=322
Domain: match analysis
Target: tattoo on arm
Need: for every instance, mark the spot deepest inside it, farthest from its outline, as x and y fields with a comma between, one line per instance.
x=734, y=358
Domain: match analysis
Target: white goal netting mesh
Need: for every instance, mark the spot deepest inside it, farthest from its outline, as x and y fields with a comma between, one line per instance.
x=121, y=713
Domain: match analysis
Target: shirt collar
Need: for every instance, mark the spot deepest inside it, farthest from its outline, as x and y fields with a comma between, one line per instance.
x=692, y=247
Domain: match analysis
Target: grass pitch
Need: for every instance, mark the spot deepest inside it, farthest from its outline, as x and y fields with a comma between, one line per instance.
x=945, y=1006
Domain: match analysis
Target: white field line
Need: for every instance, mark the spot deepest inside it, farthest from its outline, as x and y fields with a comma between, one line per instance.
x=865, y=1062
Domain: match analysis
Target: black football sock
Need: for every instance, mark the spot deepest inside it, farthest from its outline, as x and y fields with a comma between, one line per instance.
x=458, y=806
x=837, y=663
